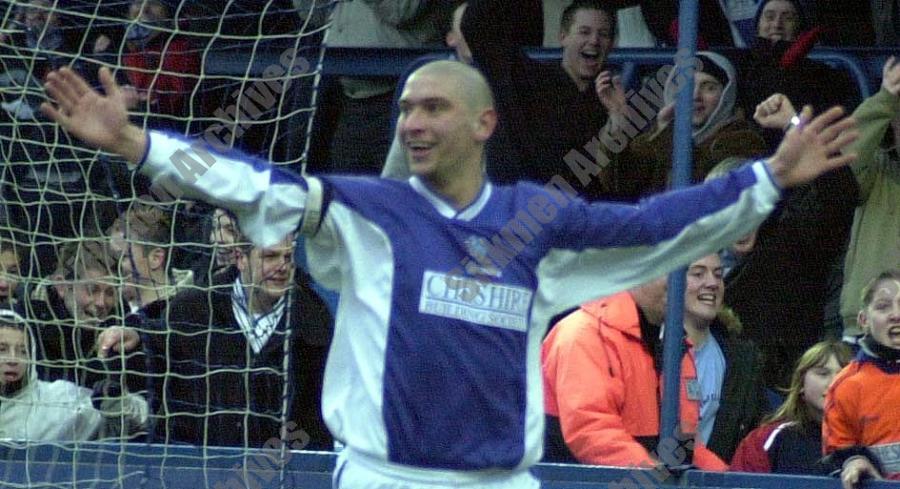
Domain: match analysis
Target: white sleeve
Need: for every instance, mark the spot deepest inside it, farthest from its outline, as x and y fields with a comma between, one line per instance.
x=603, y=249
x=268, y=201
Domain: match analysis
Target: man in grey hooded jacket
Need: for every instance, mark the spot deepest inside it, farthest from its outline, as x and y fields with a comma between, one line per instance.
x=720, y=131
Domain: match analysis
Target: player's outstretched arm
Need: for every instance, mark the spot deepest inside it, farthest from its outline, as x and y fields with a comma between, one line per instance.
x=98, y=120
x=813, y=147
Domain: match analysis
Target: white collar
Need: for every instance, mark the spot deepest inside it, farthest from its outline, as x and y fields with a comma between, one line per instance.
x=447, y=210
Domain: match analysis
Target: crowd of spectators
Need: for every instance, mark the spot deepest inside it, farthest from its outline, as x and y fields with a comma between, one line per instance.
x=227, y=347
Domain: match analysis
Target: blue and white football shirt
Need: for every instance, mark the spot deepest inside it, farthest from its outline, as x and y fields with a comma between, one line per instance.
x=435, y=358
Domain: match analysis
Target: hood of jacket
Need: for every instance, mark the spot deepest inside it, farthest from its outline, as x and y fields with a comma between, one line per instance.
x=618, y=311
x=29, y=379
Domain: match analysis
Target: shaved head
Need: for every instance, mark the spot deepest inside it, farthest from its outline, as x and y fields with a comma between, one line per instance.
x=465, y=82
x=446, y=117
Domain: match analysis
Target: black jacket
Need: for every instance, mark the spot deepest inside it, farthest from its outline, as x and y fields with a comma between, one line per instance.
x=779, y=289
x=210, y=370
x=743, y=400
x=543, y=115
x=805, y=82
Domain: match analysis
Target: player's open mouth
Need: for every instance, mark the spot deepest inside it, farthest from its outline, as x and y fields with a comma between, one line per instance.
x=419, y=150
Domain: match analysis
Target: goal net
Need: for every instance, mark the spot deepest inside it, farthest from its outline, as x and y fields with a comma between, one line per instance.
x=227, y=369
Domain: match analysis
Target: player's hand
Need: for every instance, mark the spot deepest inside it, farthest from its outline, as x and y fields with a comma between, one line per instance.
x=774, y=112
x=890, y=76
x=813, y=147
x=98, y=120
x=117, y=339
x=855, y=469
x=610, y=92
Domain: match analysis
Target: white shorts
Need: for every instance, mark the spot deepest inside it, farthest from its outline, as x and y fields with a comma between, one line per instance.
x=355, y=470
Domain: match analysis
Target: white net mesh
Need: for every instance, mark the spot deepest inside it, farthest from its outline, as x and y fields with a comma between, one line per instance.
x=85, y=245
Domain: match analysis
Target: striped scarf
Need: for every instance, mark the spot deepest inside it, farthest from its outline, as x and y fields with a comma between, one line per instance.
x=257, y=328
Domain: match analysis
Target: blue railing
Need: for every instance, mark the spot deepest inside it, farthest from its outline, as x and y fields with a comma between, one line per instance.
x=864, y=66
x=101, y=466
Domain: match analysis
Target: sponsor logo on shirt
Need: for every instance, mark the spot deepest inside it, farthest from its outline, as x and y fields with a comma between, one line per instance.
x=466, y=299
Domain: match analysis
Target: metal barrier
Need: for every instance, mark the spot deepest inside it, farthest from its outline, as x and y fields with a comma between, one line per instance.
x=393, y=62
x=101, y=466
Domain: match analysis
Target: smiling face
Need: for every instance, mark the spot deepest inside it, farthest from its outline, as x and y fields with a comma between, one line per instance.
x=880, y=318
x=13, y=355
x=816, y=382
x=442, y=128
x=224, y=236
x=91, y=297
x=585, y=45
x=707, y=93
x=269, y=271
x=779, y=21
x=705, y=290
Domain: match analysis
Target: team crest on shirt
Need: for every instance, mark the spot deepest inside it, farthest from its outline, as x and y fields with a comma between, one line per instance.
x=478, y=263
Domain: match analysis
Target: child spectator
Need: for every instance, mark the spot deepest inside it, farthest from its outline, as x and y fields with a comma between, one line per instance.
x=222, y=351
x=861, y=433
x=790, y=440
x=35, y=410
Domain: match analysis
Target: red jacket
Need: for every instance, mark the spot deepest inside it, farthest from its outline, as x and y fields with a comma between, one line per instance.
x=167, y=71
x=601, y=383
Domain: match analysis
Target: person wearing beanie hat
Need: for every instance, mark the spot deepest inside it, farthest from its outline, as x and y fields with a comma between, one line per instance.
x=720, y=131
x=40, y=411
x=779, y=20
x=777, y=62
